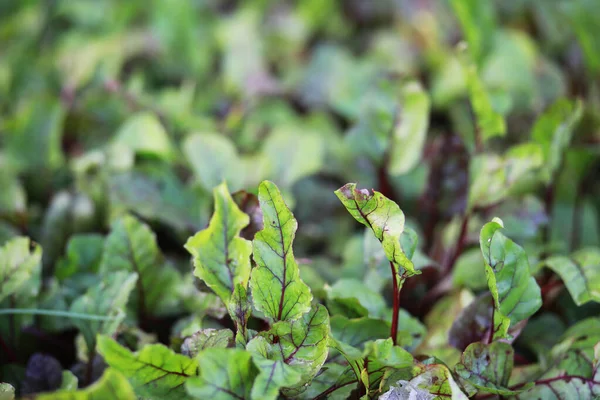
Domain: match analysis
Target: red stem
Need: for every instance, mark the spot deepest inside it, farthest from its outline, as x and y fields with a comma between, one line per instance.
x=396, y=308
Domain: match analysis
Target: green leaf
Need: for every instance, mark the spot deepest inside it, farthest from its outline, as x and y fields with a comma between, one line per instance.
x=584, y=20
x=240, y=310
x=488, y=367
x=131, y=246
x=385, y=219
x=211, y=171
x=411, y=129
x=112, y=385
x=224, y=374
x=277, y=289
x=581, y=274
x=515, y=292
x=384, y=351
x=435, y=379
x=490, y=123
x=206, y=338
x=354, y=299
x=303, y=342
x=221, y=256
x=17, y=263
x=478, y=24
x=69, y=381
x=553, y=131
x=7, y=392
x=273, y=374
x=293, y=154
x=143, y=133
x=154, y=372
x=358, y=331
x=494, y=177
x=108, y=298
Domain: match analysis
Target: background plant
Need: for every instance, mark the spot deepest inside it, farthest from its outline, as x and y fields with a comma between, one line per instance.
x=174, y=206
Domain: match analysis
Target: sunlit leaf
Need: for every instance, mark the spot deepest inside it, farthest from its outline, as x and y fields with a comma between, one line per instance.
x=17, y=261
x=277, y=289
x=274, y=373
x=221, y=256
x=384, y=218
x=112, y=385
x=154, y=372
x=205, y=339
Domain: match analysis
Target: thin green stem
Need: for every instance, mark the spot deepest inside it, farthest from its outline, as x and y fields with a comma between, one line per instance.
x=55, y=313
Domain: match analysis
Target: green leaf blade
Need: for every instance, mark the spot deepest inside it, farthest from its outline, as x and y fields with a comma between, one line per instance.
x=276, y=286
x=221, y=257
x=154, y=372
x=17, y=264
x=132, y=246
x=224, y=374
x=581, y=274
x=385, y=219
x=515, y=292
x=488, y=367
x=112, y=385
x=109, y=298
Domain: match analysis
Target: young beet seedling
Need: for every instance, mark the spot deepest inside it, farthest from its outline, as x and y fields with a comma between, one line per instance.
x=386, y=220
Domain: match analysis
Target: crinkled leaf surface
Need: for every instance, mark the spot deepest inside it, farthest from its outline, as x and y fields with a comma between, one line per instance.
x=385, y=219
x=221, y=256
x=303, y=342
x=17, y=263
x=112, y=385
x=224, y=374
x=206, y=338
x=277, y=289
x=131, y=246
x=411, y=129
x=273, y=374
x=155, y=372
x=515, y=292
x=108, y=298
x=580, y=272
x=295, y=356
x=488, y=367
x=438, y=381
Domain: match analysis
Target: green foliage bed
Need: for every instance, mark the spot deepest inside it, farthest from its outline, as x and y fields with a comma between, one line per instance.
x=176, y=220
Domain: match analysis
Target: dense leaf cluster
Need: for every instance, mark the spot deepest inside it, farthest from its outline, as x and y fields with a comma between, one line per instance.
x=175, y=221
